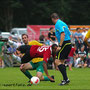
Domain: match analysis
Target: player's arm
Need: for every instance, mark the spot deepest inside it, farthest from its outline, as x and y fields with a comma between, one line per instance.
x=46, y=71
x=45, y=68
x=62, y=38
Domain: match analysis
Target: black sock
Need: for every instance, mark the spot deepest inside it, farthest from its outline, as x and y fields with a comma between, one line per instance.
x=62, y=69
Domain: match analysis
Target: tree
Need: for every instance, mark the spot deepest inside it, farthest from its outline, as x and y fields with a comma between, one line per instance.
x=6, y=9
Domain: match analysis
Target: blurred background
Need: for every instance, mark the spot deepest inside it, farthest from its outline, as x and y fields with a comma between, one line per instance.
x=20, y=13
x=32, y=17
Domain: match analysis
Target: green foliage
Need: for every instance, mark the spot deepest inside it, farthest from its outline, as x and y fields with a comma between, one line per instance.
x=19, y=13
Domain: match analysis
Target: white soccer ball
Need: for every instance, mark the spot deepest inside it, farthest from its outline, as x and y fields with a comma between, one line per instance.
x=35, y=80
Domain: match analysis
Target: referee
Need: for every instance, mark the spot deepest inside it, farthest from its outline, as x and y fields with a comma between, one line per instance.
x=63, y=36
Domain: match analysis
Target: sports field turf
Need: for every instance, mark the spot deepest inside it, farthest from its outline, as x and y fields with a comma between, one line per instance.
x=12, y=78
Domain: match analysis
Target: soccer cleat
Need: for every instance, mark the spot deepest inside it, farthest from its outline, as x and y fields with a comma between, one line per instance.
x=63, y=82
x=53, y=78
x=29, y=83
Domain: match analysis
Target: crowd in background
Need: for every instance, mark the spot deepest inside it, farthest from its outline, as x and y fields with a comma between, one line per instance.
x=79, y=56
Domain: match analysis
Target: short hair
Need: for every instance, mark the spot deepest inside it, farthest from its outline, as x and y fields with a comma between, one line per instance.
x=54, y=45
x=55, y=16
x=25, y=35
x=83, y=28
x=51, y=28
x=41, y=38
x=77, y=29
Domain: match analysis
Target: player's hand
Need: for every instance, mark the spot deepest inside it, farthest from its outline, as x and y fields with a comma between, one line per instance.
x=22, y=65
x=57, y=68
x=51, y=78
x=58, y=48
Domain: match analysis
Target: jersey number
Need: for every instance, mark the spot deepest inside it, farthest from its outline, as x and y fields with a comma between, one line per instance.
x=41, y=49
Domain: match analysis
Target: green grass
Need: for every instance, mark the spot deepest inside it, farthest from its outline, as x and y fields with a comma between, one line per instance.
x=13, y=78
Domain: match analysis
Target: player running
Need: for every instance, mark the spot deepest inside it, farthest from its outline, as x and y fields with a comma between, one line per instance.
x=63, y=36
x=34, y=51
x=87, y=37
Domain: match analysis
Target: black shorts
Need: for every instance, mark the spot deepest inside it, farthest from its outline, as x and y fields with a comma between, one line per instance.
x=63, y=53
x=26, y=58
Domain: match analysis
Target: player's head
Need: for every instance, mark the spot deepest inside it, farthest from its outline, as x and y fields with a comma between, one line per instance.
x=78, y=29
x=51, y=29
x=84, y=29
x=25, y=38
x=54, y=48
x=54, y=17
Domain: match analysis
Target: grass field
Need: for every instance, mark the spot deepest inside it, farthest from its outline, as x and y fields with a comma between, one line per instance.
x=12, y=78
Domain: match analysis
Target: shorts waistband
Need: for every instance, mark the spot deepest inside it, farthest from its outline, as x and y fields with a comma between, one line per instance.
x=69, y=41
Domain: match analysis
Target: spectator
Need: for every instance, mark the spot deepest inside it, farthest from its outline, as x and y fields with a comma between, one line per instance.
x=88, y=59
x=84, y=34
x=72, y=38
x=1, y=54
x=78, y=39
x=11, y=49
x=51, y=36
x=70, y=57
x=15, y=43
x=1, y=63
x=47, y=42
x=80, y=62
x=41, y=39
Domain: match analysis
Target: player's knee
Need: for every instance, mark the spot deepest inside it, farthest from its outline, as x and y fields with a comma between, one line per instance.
x=57, y=62
x=39, y=75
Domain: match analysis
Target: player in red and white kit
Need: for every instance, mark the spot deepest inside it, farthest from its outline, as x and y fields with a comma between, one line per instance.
x=35, y=51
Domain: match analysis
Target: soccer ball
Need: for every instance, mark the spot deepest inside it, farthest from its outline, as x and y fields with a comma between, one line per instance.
x=35, y=80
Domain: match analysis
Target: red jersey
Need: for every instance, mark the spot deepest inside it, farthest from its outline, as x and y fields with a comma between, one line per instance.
x=72, y=52
x=41, y=51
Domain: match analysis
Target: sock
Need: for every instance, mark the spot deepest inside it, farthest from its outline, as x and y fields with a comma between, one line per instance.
x=46, y=78
x=62, y=69
x=27, y=74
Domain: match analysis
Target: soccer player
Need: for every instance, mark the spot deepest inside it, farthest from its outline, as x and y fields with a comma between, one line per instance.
x=27, y=42
x=34, y=51
x=36, y=63
x=63, y=36
x=87, y=37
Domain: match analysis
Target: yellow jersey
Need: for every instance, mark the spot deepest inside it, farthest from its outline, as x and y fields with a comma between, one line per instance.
x=88, y=34
x=34, y=42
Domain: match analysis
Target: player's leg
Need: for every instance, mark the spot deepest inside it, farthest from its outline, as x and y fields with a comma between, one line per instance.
x=24, y=68
x=62, y=68
x=26, y=58
x=40, y=71
x=61, y=56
